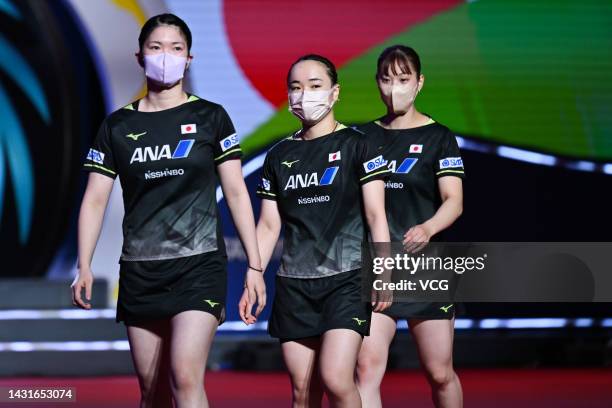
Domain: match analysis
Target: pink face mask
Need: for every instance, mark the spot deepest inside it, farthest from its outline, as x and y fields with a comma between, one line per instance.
x=310, y=106
x=164, y=68
x=399, y=97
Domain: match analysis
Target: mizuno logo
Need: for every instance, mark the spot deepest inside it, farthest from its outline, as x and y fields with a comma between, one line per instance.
x=135, y=136
x=445, y=308
x=211, y=303
x=359, y=321
x=289, y=164
x=155, y=153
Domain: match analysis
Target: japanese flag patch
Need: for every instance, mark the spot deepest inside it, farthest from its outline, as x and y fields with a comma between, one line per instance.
x=334, y=156
x=189, y=128
x=416, y=148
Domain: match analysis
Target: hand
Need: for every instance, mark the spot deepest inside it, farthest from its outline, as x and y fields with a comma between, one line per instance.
x=254, y=292
x=416, y=238
x=83, y=279
x=383, y=299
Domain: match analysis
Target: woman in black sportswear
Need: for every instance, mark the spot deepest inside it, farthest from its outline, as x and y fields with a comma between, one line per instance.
x=423, y=196
x=319, y=183
x=169, y=149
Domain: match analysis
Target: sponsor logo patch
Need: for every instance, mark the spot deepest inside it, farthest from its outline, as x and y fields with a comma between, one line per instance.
x=374, y=164
x=95, y=156
x=265, y=183
x=451, y=162
x=229, y=142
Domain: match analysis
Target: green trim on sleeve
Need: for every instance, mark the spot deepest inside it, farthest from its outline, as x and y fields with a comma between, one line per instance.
x=228, y=152
x=375, y=174
x=450, y=171
x=266, y=193
x=99, y=167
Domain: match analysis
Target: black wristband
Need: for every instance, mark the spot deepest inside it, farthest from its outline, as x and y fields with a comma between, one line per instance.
x=255, y=269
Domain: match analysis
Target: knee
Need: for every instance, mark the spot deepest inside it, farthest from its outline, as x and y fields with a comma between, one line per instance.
x=440, y=376
x=371, y=365
x=338, y=382
x=186, y=380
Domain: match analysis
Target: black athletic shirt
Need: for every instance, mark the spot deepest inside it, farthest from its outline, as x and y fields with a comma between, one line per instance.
x=417, y=158
x=317, y=186
x=166, y=162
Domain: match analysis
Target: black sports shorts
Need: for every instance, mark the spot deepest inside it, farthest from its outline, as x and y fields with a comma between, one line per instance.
x=150, y=290
x=309, y=307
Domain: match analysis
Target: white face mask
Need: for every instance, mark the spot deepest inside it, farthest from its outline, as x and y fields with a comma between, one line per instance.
x=310, y=106
x=164, y=68
x=399, y=97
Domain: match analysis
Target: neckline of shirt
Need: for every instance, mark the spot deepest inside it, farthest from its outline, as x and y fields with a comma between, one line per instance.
x=413, y=129
x=340, y=127
x=134, y=105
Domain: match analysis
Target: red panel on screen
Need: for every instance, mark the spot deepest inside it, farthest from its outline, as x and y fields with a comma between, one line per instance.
x=267, y=36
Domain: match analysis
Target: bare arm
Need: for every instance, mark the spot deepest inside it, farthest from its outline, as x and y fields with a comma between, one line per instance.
x=268, y=230
x=239, y=203
x=374, y=205
x=376, y=217
x=451, y=193
x=91, y=216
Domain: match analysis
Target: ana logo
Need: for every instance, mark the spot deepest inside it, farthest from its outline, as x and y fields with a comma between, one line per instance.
x=334, y=156
x=228, y=142
x=374, y=164
x=190, y=128
x=416, y=148
x=156, y=153
x=311, y=179
x=404, y=167
x=451, y=162
x=95, y=156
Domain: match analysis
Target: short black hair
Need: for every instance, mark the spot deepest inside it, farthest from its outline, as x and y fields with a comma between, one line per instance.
x=329, y=66
x=160, y=20
x=400, y=55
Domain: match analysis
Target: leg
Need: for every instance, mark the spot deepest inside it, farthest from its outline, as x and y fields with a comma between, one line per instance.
x=149, y=344
x=372, y=361
x=434, y=340
x=337, y=361
x=301, y=360
x=192, y=335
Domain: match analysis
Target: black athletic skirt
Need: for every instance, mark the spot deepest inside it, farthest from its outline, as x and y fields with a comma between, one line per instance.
x=150, y=290
x=305, y=308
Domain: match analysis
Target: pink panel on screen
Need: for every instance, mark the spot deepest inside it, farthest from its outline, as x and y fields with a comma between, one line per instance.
x=267, y=36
